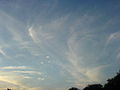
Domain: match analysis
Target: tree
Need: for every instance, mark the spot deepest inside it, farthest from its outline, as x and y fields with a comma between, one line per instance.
x=73, y=88
x=94, y=87
x=8, y=89
x=113, y=83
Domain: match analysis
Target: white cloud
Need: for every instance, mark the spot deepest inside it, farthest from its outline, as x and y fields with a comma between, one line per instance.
x=113, y=37
x=33, y=35
x=15, y=67
x=41, y=62
x=47, y=57
x=12, y=78
x=27, y=77
x=2, y=52
x=77, y=65
x=12, y=25
x=38, y=35
x=41, y=79
x=28, y=72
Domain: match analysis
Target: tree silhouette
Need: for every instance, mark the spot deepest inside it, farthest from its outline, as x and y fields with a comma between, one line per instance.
x=73, y=88
x=8, y=89
x=112, y=84
x=94, y=87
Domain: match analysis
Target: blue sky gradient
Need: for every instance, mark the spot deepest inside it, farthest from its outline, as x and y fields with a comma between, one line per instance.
x=57, y=44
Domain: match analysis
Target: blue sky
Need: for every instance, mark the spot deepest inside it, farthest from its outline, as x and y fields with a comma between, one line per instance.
x=57, y=44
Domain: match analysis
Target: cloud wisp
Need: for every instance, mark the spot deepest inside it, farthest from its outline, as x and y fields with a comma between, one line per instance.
x=15, y=67
x=2, y=52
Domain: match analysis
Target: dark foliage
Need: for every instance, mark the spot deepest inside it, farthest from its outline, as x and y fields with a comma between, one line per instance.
x=8, y=89
x=112, y=84
x=94, y=87
x=73, y=88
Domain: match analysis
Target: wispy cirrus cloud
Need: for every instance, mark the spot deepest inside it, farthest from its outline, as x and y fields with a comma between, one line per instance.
x=112, y=37
x=41, y=79
x=15, y=67
x=28, y=72
x=19, y=70
x=47, y=31
x=38, y=36
x=8, y=22
x=12, y=78
x=2, y=52
x=81, y=55
x=78, y=62
x=33, y=34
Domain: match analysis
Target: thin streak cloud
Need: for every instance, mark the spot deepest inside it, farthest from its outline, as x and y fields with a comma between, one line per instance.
x=2, y=52
x=28, y=72
x=12, y=78
x=113, y=37
x=15, y=67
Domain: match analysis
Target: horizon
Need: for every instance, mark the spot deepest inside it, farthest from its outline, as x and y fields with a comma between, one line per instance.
x=58, y=44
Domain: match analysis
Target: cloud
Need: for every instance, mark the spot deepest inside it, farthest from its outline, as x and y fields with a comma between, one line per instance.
x=41, y=79
x=47, y=32
x=11, y=78
x=17, y=34
x=15, y=67
x=12, y=25
x=46, y=36
x=33, y=34
x=14, y=80
x=47, y=57
x=113, y=40
x=20, y=70
x=112, y=37
x=2, y=52
x=27, y=77
x=83, y=55
x=38, y=35
x=79, y=66
x=28, y=72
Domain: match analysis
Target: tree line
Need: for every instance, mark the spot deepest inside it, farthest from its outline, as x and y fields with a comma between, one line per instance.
x=112, y=84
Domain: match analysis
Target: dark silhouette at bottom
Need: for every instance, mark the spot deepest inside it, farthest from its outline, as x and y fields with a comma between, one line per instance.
x=73, y=88
x=112, y=84
x=8, y=89
x=94, y=87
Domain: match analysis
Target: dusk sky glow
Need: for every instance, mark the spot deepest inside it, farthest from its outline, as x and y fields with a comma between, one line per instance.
x=57, y=44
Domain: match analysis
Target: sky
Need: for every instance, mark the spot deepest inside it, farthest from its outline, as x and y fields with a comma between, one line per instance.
x=58, y=44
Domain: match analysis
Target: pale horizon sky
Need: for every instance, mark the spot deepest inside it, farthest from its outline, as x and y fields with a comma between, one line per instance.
x=58, y=44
